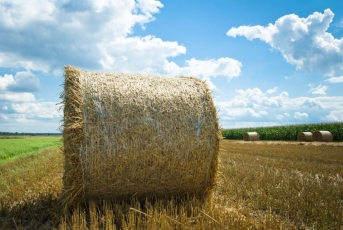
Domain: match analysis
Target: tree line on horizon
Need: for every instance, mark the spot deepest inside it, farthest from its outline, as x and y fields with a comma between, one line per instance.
x=28, y=134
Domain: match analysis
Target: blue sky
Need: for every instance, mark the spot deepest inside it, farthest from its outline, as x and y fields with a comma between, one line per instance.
x=266, y=63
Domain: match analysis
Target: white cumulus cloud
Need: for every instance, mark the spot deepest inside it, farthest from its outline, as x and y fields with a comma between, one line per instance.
x=226, y=67
x=257, y=98
x=335, y=79
x=336, y=115
x=300, y=115
x=45, y=35
x=252, y=105
x=55, y=33
x=21, y=82
x=17, y=97
x=273, y=90
x=282, y=116
x=5, y=81
x=234, y=113
x=303, y=42
x=318, y=90
x=37, y=109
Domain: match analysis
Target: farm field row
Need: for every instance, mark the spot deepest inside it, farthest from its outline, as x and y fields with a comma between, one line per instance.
x=260, y=186
x=289, y=132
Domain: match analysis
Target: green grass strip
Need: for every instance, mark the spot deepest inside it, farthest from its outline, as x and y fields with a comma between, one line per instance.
x=11, y=149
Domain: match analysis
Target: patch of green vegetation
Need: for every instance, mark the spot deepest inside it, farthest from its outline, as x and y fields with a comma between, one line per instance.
x=14, y=148
x=289, y=132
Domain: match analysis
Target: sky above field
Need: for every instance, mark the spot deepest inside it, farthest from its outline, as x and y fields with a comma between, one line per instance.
x=266, y=62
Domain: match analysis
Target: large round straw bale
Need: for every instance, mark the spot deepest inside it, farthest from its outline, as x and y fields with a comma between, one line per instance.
x=142, y=136
x=322, y=136
x=251, y=136
x=304, y=136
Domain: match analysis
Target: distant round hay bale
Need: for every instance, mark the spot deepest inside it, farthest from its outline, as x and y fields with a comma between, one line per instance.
x=322, y=136
x=142, y=136
x=304, y=136
x=251, y=136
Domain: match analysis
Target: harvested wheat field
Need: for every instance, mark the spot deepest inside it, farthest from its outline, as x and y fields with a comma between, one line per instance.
x=261, y=185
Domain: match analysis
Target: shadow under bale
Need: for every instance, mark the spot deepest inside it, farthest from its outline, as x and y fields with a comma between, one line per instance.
x=44, y=213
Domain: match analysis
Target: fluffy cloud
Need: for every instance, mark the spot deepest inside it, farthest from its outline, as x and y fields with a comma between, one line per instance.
x=335, y=115
x=273, y=90
x=5, y=81
x=300, y=115
x=17, y=97
x=37, y=109
x=226, y=67
x=309, y=103
x=247, y=111
x=335, y=79
x=21, y=82
x=46, y=35
x=256, y=98
x=282, y=116
x=254, y=106
x=250, y=104
x=134, y=54
x=53, y=32
x=303, y=42
x=318, y=90
x=20, y=123
x=19, y=107
x=117, y=18
x=25, y=103
x=20, y=112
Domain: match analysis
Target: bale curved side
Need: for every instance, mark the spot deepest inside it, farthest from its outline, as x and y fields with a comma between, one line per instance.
x=322, y=136
x=304, y=136
x=251, y=136
x=73, y=137
x=130, y=135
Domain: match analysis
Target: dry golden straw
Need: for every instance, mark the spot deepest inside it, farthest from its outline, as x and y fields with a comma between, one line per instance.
x=251, y=136
x=304, y=136
x=142, y=136
x=322, y=136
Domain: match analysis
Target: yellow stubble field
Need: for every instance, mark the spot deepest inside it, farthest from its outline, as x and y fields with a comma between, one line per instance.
x=261, y=185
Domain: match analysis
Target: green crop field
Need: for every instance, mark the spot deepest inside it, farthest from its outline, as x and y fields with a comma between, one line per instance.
x=286, y=132
x=12, y=148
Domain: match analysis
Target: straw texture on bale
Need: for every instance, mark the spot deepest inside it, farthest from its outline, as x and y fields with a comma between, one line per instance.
x=304, y=136
x=322, y=136
x=251, y=136
x=142, y=136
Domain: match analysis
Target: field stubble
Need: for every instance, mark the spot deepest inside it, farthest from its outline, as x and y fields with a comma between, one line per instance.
x=261, y=185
